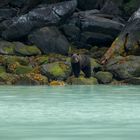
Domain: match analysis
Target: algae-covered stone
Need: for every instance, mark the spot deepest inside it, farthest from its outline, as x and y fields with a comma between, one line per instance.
x=7, y=48
x=17, y=68
x=32, y=79
x=7, y=78
x=40, y=60
x=12, y=59
x=23, y=69
x=26, y=50
x=56, y=70
x=133, y=81
x=82, y=81
x=57, y=83
x=104, y=77
x=2, y=69
x=124, y=67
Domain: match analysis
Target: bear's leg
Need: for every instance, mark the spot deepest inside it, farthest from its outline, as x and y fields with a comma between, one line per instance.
x=87, y=71
x=76, y=69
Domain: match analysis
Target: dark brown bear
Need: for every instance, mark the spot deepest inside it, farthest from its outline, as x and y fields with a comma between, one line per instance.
x=80, y=62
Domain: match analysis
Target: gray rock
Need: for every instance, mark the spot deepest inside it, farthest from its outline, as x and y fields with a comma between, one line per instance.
x=6, y=13
x=52, y=14
x=124, y=67
x=95, y=29
x=104, y=77
x=50, y=40
x=56, y=70
x=128, y=42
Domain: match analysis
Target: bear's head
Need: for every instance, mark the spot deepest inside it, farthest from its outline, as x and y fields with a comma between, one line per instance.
x=75, y=58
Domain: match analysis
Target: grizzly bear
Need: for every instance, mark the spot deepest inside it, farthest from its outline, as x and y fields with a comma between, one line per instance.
x=80, y=62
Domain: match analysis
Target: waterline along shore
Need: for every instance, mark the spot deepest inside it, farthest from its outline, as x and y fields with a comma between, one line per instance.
x=38, y=37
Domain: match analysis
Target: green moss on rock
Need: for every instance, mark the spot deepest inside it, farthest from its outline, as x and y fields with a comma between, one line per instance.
x=40, y=60
x=27, y=50
x=2, y=69
x=82, y=81
x=8, y=79
x=56, y=70
x=7, y=48
x=104, y=77
x=23, y=69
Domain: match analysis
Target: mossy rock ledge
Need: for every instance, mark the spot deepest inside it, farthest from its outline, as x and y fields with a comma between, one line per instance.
x=82, y=81
x=56, y=70
x=104, y=77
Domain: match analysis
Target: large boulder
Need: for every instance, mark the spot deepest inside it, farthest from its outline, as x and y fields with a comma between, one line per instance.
x=130, y=6
x=7, y=48
x=6, y=13
x=31, y=79
x=48, y=15
x=128, y=42
x=133, y=81
x=90, y=4
x=104, y=77
x=4, y=2
x=18, y=48
x=24, y=5
x=7, y=78
x=112, y=8
x=26, y=50
x=92, y=29
x=101, y=25
x=124, y=67
x=82, y=81
x=56, y=70
x=50, y=40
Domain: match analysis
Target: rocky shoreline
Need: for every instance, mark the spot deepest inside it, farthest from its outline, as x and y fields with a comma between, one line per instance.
x=38, y=37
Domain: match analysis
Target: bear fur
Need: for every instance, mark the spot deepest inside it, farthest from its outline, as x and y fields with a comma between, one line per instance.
x=80, y=62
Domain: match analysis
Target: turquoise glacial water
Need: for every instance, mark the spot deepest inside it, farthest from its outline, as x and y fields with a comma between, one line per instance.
x=70, y=113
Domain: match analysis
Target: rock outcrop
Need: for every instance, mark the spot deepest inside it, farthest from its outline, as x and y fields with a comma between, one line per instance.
x=37, y=38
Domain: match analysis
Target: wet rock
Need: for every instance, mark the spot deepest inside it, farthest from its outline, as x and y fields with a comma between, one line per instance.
x=82, y=81
x=43, y=59
x=128, y=41
x=2, y=69
x=56, y=70
x=111, y=8
x=12, y=59
x=8, y=79
x=104, y=77
x=4, y=2
x=18, y=48
x=72, y=32
x=7, y=48
x=50, y=40
x=17, y=68
x=52, y=14
x=6, y=13
x=24, y=5
x=130, y=7
x=90, y=4
x=57, y=83
x=133, y=81
x=101, y=25
x=32, y=79
x=94, y=29
x=98, y=52
x=98, y=39
x=124, y=67
x=26, y=50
